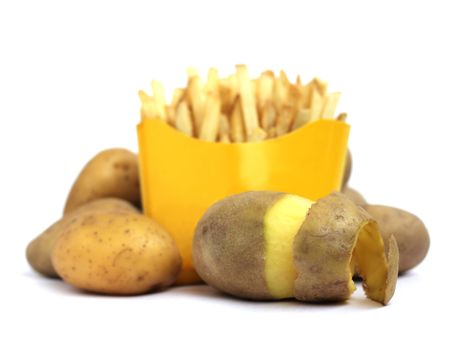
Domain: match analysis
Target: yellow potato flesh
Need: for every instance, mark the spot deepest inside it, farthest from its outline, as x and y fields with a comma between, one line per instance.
x=281, y=223
x=370, y=260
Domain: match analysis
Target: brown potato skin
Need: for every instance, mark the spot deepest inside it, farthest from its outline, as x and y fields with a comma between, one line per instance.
x=118, y=253
x=348, y=168
x=355, y=196
x=111, y=173
x=38, y=252
x=323, y=249
x=228, y=244
x=409, y=231
x=392, y=257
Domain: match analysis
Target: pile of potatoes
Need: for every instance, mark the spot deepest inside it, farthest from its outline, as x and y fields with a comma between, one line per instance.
x=256, y=245
x=103, y=243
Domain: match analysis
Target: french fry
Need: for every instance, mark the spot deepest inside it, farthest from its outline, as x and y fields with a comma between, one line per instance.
x=148, y=108
x=258, y=134
x=280, y=94
x=268, y=115
x=210, y=124
x=212, y=81
x=322, y=86
x=284, y=120
x=265, y=88
x=306, y=95
x=192, y=72
x=159, y=98
x=330, y=105
x=247, y=99
x=316, y=104
x=228, y=91
x=170, y=113
x=294, y=97
x=284, y=78
x=224, y=125
x=196, y=100
x=271, y=133
x=236, y=122
x=178, y=95
x=183, y=121
x=144, y=97
x=224, y=138
x=302, y=118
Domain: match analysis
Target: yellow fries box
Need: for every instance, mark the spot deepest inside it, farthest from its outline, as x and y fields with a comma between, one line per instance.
x=182, y=176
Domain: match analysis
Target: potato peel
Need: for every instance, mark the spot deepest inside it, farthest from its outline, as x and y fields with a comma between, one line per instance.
x=323, y=250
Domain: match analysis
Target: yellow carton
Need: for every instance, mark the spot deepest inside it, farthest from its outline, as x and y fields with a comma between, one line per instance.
x=182, y=176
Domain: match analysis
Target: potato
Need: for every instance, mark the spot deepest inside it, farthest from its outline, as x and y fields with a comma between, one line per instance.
x=120, y=253
x=355, y=196
x=38, y=251
x=347, y=171
x=111, y=173
x=409, y=231
x=269, y=245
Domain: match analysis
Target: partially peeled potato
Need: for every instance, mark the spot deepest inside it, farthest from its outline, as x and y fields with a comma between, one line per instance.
x=269, y=245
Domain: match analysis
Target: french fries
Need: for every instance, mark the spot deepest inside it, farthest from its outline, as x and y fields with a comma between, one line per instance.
x=247, y=98
x=238, y=108
x=183, y=120
x=211, y=120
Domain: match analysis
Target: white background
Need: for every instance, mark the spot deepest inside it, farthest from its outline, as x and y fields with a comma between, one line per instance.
x=69, y=76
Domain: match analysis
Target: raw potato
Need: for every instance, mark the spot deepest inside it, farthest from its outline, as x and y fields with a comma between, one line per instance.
x=355, y=196
x=228, y=245
x=38, y=251
x=111, y=173
x=269, y=245
x=347, y=171
x=120, y=253
x=408, y=230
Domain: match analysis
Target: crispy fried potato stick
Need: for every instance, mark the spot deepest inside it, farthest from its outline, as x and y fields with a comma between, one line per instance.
x=183, y=119
x=271, y=133
x=284, y=120
x=265, y=88
x=284, y=78
x=148, y=108
x=236, y=122
x=302, y=118
x=268, y=115
x=224, y=125
x=321, y=85
x=177, y=97
x=170, y=113
x=196, y=100
x=279, y=95
x=247, y=98
x=258, y=135
x=192, y=72
x=224, y=138
x=212, y=81
x=330, y=105
x=316, y=105
x=159, y=98
x=144, y=97
x=210, y=123
x=306, y=95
